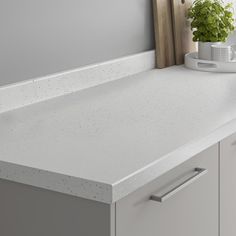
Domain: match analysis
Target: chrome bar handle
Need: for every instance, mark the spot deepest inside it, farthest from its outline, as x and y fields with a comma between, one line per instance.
x=198, y=172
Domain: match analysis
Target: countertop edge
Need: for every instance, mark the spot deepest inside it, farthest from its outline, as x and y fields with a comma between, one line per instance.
x=169, y=161
x=57, y=182
x=106, y=193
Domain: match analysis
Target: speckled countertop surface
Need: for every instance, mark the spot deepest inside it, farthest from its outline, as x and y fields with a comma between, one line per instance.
x=105, y=142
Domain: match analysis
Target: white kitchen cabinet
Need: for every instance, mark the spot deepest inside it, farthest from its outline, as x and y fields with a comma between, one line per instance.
x=228, y=186
x=30, y=211
x=191, y=209
x=194, y=198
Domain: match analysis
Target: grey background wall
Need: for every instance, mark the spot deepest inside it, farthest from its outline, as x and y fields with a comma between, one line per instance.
x=39, y=37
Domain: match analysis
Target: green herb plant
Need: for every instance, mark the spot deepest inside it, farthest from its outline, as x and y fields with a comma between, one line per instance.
x=211, y=20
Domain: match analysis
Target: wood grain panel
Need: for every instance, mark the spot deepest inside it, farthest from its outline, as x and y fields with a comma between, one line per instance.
x=163, y=33
x=181, y=29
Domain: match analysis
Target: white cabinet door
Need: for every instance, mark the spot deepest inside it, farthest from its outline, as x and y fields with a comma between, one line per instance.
x=228, y=186
x=189, y=204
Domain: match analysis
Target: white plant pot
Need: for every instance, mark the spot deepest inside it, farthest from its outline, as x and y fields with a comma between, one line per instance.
x=204, y=49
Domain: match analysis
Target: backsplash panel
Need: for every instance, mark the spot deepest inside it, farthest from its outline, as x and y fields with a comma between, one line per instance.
x=28, y=92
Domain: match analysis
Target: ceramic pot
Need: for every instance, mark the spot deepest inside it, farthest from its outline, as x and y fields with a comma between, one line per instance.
x=204, y=50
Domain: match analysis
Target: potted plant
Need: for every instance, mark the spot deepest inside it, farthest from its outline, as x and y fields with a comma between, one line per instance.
x=211, y=22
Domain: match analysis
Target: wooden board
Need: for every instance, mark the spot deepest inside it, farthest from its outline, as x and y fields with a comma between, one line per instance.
x=163, y=33
x=181, y=29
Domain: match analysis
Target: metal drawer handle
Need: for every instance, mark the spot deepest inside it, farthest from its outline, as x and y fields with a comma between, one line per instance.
x=198, y=172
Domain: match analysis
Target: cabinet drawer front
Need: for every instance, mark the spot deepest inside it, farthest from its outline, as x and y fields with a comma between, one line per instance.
x=186, y=202
x=228, y=186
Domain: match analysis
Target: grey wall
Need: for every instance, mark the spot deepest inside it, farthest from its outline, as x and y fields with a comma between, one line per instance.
x=40, y=37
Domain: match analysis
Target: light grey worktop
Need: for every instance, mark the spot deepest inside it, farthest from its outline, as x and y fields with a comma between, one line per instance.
x=102, y=143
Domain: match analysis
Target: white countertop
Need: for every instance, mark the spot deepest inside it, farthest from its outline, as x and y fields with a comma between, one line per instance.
x=104, y=142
